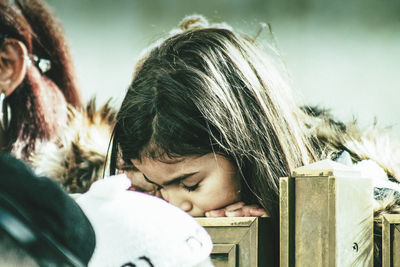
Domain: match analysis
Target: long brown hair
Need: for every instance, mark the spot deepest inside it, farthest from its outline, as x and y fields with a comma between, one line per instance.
x=34, y=103
x=208, y=89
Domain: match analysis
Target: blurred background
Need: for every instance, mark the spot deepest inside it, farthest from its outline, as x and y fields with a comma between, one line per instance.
x=342, y=55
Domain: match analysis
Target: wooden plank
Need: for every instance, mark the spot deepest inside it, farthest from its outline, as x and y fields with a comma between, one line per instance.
x=226, y=221
x=284, y=253
x=391, y=240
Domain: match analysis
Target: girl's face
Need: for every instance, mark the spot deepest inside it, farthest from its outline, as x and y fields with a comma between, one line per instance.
x=195, y=184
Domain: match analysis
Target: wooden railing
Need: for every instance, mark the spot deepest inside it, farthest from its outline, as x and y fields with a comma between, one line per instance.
x=326, y=219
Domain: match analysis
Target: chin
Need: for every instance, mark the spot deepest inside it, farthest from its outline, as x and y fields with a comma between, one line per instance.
x=197, y=213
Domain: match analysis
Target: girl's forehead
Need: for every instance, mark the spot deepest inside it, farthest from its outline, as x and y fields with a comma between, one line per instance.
x=161, y=171
x=165, y=162
x=170, y=165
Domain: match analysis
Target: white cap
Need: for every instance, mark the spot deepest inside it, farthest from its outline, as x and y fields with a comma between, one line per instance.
x=136, y=229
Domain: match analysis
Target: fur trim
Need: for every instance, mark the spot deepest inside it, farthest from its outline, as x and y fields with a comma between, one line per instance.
x=330, y=137
x=76, y=156
x=373, y=143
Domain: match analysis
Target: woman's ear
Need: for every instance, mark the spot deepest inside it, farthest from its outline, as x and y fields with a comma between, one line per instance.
x=13, y=64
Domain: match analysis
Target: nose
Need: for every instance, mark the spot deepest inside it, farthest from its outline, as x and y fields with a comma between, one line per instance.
x=177, y=198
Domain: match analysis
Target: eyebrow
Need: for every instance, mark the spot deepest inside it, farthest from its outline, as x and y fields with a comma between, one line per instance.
x=173, y=181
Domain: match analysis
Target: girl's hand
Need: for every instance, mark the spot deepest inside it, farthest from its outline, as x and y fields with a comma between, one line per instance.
x=238, y=209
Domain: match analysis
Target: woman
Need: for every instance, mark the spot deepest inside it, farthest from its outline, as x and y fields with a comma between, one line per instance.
x=42, y=118
x=37, y=81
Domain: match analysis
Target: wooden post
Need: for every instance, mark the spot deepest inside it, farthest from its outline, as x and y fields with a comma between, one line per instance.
x=391, y=240
x=240, y=241
x=326, y=217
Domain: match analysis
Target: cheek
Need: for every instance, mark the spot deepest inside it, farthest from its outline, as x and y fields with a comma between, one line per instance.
x=219, y=193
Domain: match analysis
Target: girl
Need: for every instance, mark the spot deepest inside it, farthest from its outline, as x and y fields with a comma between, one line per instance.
x=210, y=125
x=209, y=121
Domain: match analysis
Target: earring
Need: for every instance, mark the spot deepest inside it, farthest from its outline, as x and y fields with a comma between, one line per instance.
x=5, y=112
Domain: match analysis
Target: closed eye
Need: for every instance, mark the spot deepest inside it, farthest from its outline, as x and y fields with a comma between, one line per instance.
x=191, y=188
x=159, y=187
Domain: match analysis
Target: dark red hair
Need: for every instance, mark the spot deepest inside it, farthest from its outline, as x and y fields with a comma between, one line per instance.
x=34, y=103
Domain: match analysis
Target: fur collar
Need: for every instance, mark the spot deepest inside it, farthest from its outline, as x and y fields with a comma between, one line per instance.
x=330, y=136
x=373, y=143
x=76, y=156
